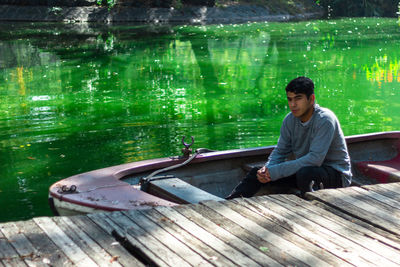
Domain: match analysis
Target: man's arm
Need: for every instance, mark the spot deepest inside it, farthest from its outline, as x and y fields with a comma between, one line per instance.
x=283, y=148
x=315, y=157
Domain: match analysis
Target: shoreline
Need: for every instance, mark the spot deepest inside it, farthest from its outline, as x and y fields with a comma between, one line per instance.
x=126, y=14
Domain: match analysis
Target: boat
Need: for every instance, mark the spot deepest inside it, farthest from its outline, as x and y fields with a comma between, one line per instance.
x=203, y=175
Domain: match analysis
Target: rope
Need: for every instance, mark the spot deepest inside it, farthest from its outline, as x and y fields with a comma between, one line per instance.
x=148, y=178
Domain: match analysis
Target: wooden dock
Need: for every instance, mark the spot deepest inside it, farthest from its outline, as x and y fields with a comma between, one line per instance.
x=346, y=227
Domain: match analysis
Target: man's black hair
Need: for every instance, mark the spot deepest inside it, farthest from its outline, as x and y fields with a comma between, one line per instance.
x=301, y=85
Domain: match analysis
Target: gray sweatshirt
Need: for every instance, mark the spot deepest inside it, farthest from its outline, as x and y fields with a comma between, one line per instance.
x=318, y=141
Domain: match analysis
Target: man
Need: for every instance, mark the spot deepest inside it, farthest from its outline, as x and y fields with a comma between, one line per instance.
x=312, y=135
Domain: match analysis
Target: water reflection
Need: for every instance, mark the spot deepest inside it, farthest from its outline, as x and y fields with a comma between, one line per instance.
x=74, y=100
x=384, y=70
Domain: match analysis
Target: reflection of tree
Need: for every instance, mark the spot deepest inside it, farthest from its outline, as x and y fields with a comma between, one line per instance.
x=275, y=59
x=20, y=54
x=7, y=55
x=205, y=63
x=383, y=70
x=208, y=74
x=210, y=83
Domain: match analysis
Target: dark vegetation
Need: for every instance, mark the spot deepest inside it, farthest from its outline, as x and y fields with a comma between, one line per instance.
x=136, y=3
x=360, y=8
x=333, y=8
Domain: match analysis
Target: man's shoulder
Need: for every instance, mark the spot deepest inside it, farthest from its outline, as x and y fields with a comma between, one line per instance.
x=325, y=114
x=289, y=121
x=289, y=117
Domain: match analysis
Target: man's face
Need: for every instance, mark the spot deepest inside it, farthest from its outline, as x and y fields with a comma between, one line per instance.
x=301, y=106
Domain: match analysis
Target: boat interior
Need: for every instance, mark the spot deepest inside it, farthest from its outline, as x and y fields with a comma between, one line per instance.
x=373, y=161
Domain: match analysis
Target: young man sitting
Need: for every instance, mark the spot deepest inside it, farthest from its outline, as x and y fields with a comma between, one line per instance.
x=313, y=135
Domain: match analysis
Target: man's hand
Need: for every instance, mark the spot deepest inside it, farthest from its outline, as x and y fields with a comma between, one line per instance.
x=263, y=175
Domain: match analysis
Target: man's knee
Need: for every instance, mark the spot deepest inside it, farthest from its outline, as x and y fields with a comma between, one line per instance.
x=327, y=176
x=308, y=172
x=306, y=175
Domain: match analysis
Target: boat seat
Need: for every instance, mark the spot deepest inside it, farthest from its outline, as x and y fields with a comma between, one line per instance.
x=382, y=171
x=177, y=190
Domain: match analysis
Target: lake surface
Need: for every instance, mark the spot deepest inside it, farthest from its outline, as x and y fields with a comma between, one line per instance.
x=74, y=98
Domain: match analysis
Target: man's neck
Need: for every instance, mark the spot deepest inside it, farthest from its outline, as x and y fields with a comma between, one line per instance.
x=307, y=116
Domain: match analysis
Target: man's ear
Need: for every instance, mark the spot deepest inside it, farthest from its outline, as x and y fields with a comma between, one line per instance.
x=312, y=98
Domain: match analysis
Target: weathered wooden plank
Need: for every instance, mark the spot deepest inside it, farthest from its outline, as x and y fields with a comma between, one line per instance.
x=389, y=203
x=11, y=262
x=272, y=231
x=356, y=208
x=85, y=242
x=17, y=239
x=73, y=252
x=212, y=256
x=382, y=203
x=104, y=223
x=384, y=189
x=26, y=251
x=51, y=254
x=395, y=187
x=254, y=253
x=8, y=255
x=149, y=244
x=309, y=231
x=169, y=240
x=391, y=217
x=236, y=256
x=347, y=223
x=366, y=247
x=135, y=247
x=390, y=238
x=6, y=249
x=106, y=241
x=247, y=236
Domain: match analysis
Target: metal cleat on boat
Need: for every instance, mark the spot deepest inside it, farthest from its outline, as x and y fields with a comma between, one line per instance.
x=187, y=150
x=67, y=189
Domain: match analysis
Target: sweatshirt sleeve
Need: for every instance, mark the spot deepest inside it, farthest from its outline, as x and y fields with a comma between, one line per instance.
x=283, y=148
x=319, y=146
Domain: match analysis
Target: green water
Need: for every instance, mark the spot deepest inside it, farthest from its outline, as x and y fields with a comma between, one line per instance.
x=75, y=97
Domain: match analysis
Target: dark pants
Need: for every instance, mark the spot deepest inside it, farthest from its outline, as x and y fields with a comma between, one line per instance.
x=329, y=177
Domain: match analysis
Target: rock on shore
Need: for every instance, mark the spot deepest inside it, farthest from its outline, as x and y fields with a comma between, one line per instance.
x=191, y=14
